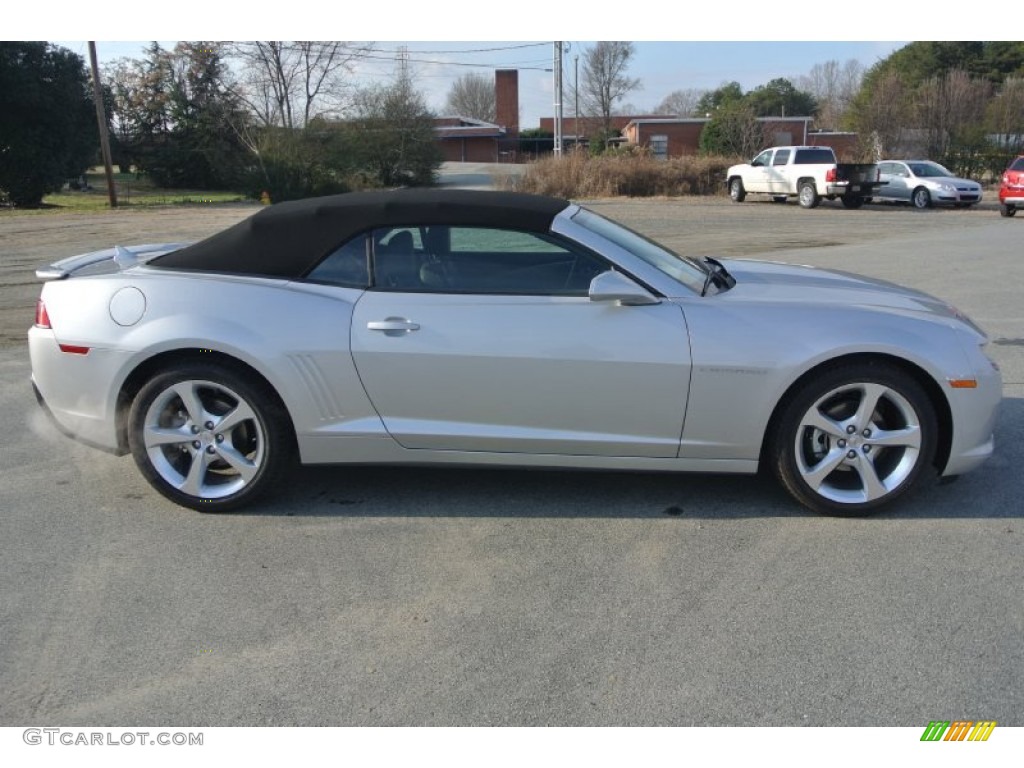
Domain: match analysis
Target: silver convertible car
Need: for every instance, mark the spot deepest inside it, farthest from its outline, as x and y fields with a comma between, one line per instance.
x=498, y=328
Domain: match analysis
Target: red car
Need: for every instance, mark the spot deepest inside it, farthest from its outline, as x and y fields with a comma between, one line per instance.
x=1011, y=191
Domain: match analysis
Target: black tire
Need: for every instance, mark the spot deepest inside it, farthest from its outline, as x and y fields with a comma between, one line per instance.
x=244, y=444
x=779, y=198
x=921, y=199
x=852, y=202
x=868, y=199
x=808, y=195
x=1007, y=210
x=835, y=471
x=736, y=190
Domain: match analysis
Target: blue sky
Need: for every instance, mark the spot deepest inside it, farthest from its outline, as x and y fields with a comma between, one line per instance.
x=661, y=66
x=741, y=40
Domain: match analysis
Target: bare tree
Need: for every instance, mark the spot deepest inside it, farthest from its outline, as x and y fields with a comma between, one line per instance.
x=681, y=103
x=289, y=83
x=604, y=80
x=1006, y=114
x=948, y=107
x=883, y=117
x=401, y=147
x=472, y=95
x=833, y=86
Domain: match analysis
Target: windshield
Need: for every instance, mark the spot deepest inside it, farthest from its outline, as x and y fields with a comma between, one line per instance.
x=925, y=170
x=685, y=270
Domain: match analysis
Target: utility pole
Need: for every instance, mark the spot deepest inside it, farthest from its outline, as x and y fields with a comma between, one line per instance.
x=101, y=119
x=576, y=108
x=558, y=99
x=403, y=63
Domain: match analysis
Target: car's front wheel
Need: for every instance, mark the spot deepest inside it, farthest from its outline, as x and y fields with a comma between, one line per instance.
x=921, y=198
x=736, y=190
x=854, y=438
x=208, y=438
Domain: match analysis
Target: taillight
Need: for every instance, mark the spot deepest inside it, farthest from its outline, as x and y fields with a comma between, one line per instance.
x=42, y=318
x=830, y=174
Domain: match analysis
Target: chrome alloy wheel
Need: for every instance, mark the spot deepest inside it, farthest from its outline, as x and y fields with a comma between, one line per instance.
x=203, y=439
x=858, y=443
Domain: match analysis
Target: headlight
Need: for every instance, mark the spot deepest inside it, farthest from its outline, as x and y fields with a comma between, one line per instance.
x=947, y=187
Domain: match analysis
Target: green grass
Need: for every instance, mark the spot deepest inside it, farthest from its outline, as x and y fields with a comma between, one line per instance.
x=132, y=192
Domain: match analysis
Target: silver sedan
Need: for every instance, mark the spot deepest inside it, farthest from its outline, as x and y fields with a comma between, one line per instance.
x=476, y=328
x=924, y=184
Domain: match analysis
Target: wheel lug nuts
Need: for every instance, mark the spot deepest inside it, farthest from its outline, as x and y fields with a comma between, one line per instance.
x=220, y=438
x=866, y=433
x=210, y=449
x=841, y=443
x=208, y=425
x=851, y=429
x=851, y=455
x=867, y=449
x=196, y=444
x=195, y=430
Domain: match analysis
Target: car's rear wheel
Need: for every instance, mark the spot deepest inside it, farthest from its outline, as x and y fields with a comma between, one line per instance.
x=852, y=201
x=854, y=438
x=1007, y=210
x=808, y=195
x=208, y=438
x=921, y=198
x=736, y=190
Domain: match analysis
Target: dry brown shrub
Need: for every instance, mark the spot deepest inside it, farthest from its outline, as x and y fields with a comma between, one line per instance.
x=625, y=174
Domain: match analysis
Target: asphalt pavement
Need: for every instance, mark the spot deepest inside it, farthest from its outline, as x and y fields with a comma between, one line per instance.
x=411, y=596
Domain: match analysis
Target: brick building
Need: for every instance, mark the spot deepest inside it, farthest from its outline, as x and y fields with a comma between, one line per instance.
x=676, y=136
x=464, y=139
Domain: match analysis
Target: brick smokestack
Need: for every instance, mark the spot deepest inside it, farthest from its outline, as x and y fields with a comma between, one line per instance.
x=506, y=98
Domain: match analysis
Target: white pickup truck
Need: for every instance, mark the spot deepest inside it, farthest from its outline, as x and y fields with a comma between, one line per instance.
x=806, y=173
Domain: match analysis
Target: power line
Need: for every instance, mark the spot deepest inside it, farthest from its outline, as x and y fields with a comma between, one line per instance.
x=447, y=63
x=475, y=50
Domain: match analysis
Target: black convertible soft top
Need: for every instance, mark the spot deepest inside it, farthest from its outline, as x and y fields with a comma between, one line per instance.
x=288, y=239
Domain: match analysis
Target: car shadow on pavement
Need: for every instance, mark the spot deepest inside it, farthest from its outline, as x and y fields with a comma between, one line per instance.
x=991, y=491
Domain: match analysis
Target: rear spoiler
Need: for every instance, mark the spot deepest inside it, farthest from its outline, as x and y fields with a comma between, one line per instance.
x=122, y=257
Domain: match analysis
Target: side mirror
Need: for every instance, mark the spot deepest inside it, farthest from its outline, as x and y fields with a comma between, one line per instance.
x=615, y=286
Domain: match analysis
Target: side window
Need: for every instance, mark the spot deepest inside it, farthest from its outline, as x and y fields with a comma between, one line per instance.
x=346, y=266
x=482, y=260
x=398, y=257
x=763, y=159
x=781, y=157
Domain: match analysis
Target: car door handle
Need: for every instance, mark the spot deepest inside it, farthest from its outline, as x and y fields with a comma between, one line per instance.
x=393, y=326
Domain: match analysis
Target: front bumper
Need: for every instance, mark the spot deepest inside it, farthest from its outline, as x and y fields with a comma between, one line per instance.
x=960, y=197
x=974, y=414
